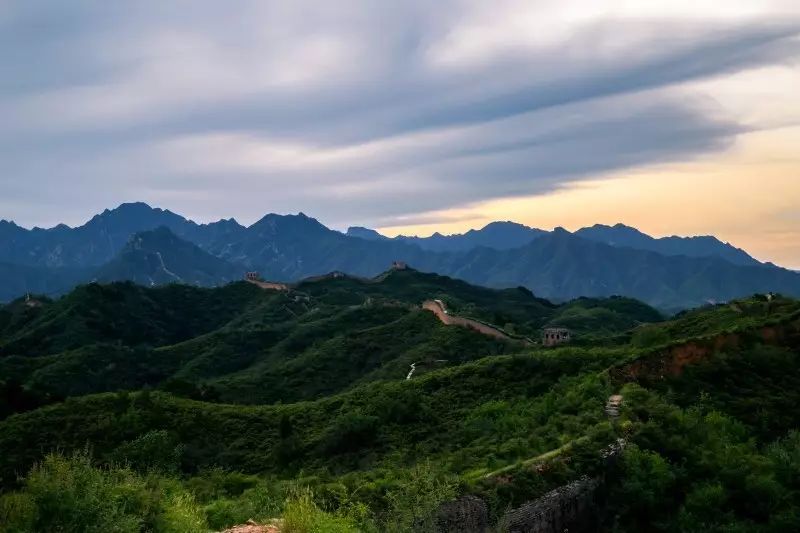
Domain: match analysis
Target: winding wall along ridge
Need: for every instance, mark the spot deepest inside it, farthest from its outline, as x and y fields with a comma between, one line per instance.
x=437, y=308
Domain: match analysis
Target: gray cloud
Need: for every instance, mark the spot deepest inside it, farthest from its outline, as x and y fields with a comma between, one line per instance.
x=347, y=112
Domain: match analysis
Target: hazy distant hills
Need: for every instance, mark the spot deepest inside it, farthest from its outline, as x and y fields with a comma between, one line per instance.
x=154, y=246
x=507, y=235
x=16, y=280
x=563, y=265
x=498, y=235
x=158, y=256
x=703, y=246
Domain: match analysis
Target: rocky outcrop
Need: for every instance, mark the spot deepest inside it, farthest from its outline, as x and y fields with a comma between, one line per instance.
x=670, y=361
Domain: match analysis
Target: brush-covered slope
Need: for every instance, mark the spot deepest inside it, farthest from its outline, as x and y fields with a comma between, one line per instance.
x=121, y=313
x=243, y=344
x=323, y=369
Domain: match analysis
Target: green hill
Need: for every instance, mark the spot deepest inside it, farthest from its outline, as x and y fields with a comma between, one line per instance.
x=234, y=396
x=121, y=312
x=242, y=344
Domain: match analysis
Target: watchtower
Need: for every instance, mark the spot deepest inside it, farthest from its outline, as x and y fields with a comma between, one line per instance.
x=555, y=336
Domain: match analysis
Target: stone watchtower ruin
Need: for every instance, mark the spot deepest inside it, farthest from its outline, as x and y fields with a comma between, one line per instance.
x=555, y=336
x=252, y=276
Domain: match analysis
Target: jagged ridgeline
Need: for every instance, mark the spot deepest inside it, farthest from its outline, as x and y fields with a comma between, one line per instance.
x=152, y=246
x=342, y=401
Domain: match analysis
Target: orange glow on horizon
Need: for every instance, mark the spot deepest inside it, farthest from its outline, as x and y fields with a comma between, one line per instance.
x=748, y=196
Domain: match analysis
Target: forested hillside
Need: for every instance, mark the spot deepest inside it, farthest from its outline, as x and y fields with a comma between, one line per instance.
x=341, y=404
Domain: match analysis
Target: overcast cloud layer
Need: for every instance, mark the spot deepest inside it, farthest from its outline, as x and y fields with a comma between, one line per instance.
x=357, y=112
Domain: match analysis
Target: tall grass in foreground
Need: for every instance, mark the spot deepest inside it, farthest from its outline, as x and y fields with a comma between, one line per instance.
x=70, y=494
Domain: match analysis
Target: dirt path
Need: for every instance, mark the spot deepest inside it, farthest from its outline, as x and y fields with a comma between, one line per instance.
x=438, y=308
x=541, y=458
x=612, y=408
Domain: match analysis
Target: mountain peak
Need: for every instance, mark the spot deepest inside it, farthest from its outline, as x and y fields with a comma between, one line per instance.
x=133, y=205
x=700, y=246
x=289, y=224
x=8, y=228
x=276, y=217
x=224, y=222
x=364, y=233
x=160, y=232
x=157, y=256
x=505, y=224
x=135, y=215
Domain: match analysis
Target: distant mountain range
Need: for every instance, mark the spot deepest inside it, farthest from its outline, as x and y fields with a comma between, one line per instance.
x=157, y=257
x=508, y=235
x=154, y=246
x=497, y=235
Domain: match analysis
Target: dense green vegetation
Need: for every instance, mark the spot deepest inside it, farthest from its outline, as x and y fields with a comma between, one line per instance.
x=187, y=409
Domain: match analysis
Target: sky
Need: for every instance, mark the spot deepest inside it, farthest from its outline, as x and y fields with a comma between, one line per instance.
x=677, y=117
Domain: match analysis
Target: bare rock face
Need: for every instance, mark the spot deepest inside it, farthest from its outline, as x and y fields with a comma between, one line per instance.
x=568, y=508
x=466, y=514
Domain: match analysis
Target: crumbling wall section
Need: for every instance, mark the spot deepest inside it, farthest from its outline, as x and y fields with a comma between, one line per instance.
x=468, y=513
x=569, y=508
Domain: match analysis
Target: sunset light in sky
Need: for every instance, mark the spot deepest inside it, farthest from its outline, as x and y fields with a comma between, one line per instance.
x=678, y=117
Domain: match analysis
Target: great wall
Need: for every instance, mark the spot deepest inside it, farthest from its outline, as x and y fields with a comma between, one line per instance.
x=576, y=506
x=438, y=308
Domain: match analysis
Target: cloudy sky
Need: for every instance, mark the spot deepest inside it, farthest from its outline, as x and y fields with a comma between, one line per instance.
x=678, y=117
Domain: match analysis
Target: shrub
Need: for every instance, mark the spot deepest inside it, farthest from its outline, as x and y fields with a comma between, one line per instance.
x=302, y=515
x=259, y=503
x=180, y=514
x=413, y=504
x=69, y=494
x=350, y=432
x=157, y=451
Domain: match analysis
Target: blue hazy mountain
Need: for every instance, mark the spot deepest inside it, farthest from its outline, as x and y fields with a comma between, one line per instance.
x=157, y=257
x=497, y=235
x=671, y=272
x=702, y=246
